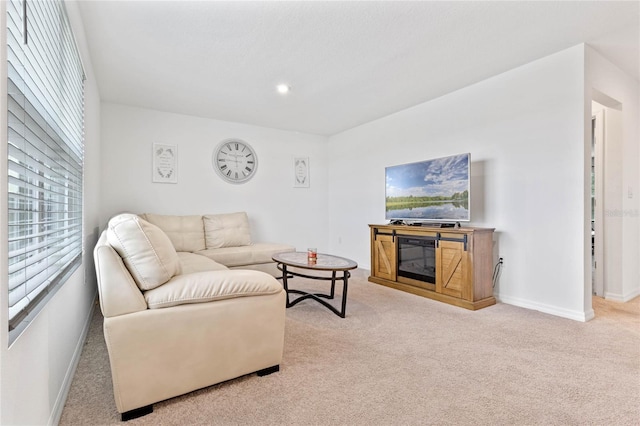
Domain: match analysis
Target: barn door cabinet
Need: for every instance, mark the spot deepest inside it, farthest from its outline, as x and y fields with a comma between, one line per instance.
x=453, y=265
x=383, y=252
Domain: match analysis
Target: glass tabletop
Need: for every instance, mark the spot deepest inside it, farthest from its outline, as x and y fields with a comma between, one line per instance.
x=324, y=262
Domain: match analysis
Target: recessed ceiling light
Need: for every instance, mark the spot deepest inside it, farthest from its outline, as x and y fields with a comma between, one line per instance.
x=283, y=88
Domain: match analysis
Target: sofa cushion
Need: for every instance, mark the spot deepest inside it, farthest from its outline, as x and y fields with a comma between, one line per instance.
x=191, y=262
x=146, y=251
x=226, y=230
x=203, y=287
x=245, y=255
x=185, y=232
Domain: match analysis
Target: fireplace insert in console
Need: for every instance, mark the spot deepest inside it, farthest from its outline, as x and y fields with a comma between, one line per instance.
x=417, y=258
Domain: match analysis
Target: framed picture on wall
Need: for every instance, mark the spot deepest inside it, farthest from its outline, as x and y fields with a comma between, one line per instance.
x=165, y=163
x=301, y=172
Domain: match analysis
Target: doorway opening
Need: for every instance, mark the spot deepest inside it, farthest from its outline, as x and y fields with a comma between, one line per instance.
x=606, y=201
x=597, y=198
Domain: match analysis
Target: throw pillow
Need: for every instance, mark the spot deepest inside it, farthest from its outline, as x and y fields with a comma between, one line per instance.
x=147, y=252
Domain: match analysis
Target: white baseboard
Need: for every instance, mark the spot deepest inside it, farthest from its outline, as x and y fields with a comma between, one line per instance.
x=548, y=309
x=616, y=297
x=58, y=407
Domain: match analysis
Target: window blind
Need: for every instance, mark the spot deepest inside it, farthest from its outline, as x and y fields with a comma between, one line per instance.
x=45, y=111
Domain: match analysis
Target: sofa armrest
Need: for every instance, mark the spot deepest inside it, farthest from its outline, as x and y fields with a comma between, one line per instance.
x=119, y=293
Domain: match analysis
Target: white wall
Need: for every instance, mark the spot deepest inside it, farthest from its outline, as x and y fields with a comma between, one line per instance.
x=525, y=132
x=608, y=85
x=36, y=371
x=278, y=212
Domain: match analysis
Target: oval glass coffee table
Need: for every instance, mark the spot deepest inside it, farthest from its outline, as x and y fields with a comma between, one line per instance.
x=324, y=262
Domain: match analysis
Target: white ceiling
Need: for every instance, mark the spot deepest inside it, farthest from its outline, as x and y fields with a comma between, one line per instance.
x=347, y=62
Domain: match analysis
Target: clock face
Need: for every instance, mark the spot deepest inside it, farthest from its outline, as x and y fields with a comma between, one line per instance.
x=235, y=161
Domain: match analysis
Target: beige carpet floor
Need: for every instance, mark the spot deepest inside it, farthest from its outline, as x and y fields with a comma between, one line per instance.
x=399, y=359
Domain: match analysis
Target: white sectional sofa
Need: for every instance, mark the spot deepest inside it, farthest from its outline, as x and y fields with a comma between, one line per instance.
x=187, y=303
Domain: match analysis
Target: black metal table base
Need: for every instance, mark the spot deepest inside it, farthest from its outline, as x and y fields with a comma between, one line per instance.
x=318, y=297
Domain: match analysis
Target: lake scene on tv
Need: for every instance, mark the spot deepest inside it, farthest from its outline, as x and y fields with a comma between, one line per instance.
x=435, y=189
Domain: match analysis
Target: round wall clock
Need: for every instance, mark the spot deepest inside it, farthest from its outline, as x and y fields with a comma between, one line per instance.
x=235, y=161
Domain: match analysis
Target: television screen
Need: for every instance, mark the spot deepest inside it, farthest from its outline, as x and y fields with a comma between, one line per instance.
x=432, y=190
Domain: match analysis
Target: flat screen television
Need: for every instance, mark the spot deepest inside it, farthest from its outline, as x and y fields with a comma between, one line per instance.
x=432, y=190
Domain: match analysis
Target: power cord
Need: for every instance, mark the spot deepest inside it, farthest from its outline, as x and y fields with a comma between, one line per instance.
x=496, y=271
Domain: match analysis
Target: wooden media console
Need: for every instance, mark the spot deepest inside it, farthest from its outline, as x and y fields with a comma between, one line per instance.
x=451, y=265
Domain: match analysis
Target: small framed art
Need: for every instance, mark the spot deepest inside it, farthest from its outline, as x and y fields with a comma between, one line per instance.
x=301, y=172
x=165, y=163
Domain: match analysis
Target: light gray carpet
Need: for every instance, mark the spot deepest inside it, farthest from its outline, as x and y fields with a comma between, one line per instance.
x=400, y=359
